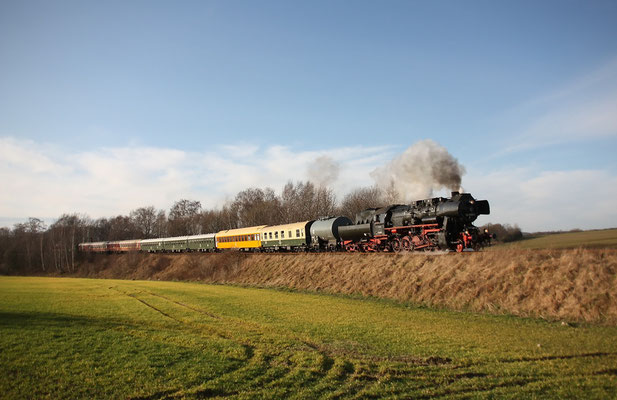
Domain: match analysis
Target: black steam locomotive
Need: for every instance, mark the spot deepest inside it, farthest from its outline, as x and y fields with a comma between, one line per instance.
x=431, y=224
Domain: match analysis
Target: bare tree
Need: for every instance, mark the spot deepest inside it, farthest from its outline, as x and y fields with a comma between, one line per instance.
x=213, y=221
x=66, y=233
x=256, y=207
x=35, y=229
x=160, y=225
x=144, y=220
x=122, y=228
x=184, y=218
x=361, y=199
x=391, y=195
x=304, y=201
x=324, y=203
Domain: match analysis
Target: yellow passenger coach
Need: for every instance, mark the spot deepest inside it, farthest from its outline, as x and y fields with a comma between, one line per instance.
x=241, y=239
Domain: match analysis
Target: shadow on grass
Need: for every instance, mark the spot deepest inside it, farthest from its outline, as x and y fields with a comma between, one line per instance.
x=50, y=320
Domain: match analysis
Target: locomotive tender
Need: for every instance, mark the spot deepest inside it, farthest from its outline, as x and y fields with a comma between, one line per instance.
x=432, y=224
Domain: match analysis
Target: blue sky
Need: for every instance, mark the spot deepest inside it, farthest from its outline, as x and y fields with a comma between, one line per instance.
x=108, y=106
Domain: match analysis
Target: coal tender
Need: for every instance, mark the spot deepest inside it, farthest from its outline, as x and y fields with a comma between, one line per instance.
x=433, y=224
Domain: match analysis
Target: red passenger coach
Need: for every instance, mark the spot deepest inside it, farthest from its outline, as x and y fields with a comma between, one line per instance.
x=96, y=247
x=124, y=246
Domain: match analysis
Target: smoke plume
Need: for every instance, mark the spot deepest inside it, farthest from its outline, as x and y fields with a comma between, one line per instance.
x=323, y=171
x=422, y=169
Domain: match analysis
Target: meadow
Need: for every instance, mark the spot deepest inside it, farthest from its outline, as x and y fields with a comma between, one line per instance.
x=605, y=238
x=86, y=338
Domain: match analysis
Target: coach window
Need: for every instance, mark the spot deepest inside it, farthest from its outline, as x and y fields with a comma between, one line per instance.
x=297, y=232
x=282, y=234
x=276, y=234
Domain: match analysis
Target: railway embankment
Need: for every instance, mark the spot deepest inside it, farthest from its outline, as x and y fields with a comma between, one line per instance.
x=570, y=285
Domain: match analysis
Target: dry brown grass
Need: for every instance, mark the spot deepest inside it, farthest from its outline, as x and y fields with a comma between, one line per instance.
x=573, y=285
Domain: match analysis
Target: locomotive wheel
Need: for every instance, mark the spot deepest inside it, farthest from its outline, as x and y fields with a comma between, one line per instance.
x=406, y=244
x=395, y=245
x=352, y=247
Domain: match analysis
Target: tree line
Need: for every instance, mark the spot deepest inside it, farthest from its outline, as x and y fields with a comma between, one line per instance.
x=33, y=247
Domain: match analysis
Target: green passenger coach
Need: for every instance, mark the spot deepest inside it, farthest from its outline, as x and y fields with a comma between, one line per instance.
x=285, y=237
x=204, y=242
x=152, y=245
x=175, y=244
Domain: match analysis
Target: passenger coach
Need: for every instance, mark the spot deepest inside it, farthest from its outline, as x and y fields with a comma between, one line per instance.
x=285, y=237
x=246, y=239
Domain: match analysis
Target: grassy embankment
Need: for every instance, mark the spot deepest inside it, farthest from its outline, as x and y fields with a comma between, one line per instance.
x=80, y=338
x=571, y=285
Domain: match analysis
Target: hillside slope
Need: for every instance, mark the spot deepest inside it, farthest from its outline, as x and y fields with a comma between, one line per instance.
x=574, y=285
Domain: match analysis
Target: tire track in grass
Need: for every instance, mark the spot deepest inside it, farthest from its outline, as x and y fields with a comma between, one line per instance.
x=448, y=393
x=279, y=370
x=320, y=377
x=209, y=314
x=249, y=352
x=257, y=373
x=154, y=308
x=134, y=296
x=255, y=366
x=552, y=358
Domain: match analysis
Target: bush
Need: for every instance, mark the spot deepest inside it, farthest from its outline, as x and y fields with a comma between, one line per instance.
x=505, y=233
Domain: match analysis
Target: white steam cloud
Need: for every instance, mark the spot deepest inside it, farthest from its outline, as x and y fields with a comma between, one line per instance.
x=323, y=171
x=422, y=169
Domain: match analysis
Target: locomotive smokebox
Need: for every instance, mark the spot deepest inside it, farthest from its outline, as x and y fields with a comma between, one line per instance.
x=463, y=205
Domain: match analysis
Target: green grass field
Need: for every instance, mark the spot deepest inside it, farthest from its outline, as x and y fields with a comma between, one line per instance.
x=80, y=338
x=570, y=240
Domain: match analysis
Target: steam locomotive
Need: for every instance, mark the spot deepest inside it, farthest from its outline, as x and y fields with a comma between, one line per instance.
x=432, y=224
x=437, y=223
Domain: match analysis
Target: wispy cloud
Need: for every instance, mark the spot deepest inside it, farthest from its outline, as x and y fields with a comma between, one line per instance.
x=581, y=110
x=44, y=181
x=548, y=200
